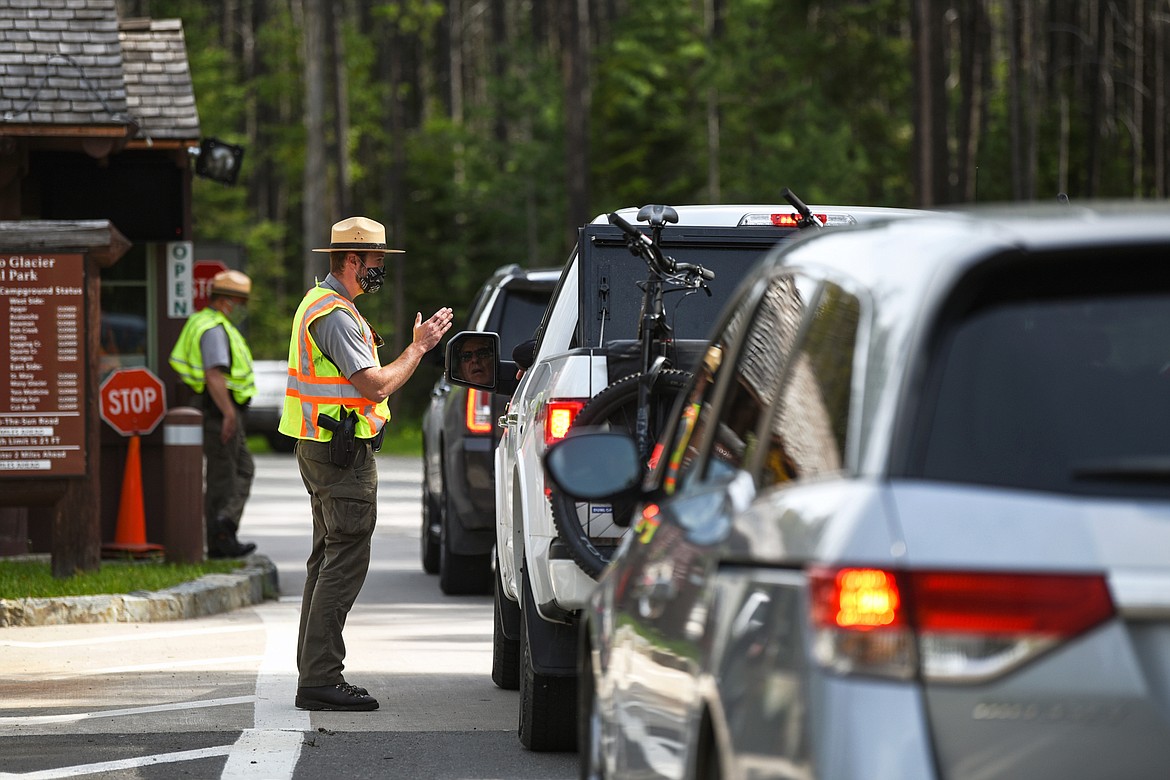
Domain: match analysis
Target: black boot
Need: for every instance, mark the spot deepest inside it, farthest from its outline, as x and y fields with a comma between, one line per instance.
x=222, y=541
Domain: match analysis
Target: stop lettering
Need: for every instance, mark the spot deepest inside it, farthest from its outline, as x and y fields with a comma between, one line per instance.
x=135, y=400
x=132, y=401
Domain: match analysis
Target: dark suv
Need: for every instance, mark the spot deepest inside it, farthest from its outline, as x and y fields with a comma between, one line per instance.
x=460, y=436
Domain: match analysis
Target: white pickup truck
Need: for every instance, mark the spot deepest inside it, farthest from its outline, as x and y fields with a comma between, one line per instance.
x=583, y=345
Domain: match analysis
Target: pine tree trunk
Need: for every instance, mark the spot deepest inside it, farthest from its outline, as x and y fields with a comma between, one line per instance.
x=313, y=208
x=574, y=26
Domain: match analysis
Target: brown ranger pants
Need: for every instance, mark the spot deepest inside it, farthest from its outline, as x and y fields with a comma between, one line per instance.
x=344, y=503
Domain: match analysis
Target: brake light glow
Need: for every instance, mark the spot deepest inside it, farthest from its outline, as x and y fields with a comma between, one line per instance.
x=948, y=626
x=479, y=411
x=790, y=219
x=559, y=416
x=866, y=598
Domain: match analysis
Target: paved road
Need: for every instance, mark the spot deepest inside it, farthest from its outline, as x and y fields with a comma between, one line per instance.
x=213, y=697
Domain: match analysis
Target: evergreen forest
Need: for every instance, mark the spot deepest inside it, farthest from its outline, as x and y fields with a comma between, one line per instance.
x=485, y=132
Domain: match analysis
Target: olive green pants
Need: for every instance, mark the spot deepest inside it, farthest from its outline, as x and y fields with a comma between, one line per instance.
x=345, y=504
x=230, y=471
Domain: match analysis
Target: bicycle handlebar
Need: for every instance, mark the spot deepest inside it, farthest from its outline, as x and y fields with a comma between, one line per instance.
x=632, y=232
x=642, y=244
x=807, y=219
x=703, y=273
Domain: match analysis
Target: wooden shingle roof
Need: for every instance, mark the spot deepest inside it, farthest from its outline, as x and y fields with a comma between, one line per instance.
x=60, y=64
x=158, y=79
x=69, y=67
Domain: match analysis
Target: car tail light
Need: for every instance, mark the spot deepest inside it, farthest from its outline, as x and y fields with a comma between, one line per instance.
x=559, y=415
x=790, y=220
x=479, y=411
x=950, y=626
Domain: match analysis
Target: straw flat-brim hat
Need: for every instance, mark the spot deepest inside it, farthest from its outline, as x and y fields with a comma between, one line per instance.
x=234, y=283
x=358, y=234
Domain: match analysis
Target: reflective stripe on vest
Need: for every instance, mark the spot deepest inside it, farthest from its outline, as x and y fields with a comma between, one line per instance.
x=316, y=385
x=187, y=356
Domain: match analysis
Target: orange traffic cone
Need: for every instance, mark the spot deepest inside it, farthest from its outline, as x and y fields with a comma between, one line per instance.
x=130, y=535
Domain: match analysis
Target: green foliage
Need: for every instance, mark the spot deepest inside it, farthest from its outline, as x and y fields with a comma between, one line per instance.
x=816, y=95
x=34, y=578
x=650, y=86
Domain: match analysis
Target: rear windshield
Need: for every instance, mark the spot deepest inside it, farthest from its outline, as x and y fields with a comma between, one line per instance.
x=611, y=300
x=1056, y=378
x=518, y=317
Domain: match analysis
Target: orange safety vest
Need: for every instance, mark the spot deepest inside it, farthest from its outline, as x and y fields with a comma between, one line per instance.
x=315, y=383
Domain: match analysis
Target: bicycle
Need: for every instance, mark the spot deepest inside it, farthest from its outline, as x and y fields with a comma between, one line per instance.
x=639, y=402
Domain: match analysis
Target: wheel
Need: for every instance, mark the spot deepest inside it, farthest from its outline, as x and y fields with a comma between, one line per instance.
x=548, y=709
x=461, y=575
x=588, y=714
x=505, y=651
x=591, y=538
x=429, y=538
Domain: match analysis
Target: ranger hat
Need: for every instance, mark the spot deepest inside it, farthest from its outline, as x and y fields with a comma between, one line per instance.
x=358, y=234
x=234, y=283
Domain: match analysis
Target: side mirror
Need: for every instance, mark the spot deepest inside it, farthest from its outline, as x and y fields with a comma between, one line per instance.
x=524, y=354
x=594, y=464
x=473, y=360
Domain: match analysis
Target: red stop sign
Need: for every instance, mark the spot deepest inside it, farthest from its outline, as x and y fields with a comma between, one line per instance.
x=132, y=401
x=201, y=274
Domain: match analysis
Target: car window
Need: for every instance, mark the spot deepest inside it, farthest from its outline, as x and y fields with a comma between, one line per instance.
x=760, y=356
x=806, y=434
x=558, y=327
x=1055, y=384
x=519, y=316
x=698, y=411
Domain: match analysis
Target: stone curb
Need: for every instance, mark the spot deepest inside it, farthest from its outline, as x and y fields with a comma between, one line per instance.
x=208, y=595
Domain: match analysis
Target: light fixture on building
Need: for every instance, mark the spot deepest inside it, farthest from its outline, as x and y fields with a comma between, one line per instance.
x=219, y=161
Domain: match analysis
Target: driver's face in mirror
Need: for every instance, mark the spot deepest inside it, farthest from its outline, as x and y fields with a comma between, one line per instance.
x=475, y=361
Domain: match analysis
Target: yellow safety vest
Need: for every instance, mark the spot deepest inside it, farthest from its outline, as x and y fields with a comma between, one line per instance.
x=187, y=356
x=316, y=385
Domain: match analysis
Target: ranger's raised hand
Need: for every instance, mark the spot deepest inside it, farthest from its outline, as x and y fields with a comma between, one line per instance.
x=428, y=334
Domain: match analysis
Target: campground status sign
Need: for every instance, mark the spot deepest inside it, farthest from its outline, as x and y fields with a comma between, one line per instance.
x=42, y=384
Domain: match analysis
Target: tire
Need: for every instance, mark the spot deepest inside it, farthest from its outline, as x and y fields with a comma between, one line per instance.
x=461, y=575
x=428, y=540
x=588, y=714
x=505, y=651
x=547, y=703
x=615, y=407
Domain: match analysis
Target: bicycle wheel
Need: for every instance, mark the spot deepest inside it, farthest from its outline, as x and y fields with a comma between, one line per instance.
x=590, y=531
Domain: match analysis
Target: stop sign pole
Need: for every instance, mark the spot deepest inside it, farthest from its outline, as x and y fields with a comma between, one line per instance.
x=133, y=403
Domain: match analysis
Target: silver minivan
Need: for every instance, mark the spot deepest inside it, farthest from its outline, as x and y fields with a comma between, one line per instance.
x=912, y=521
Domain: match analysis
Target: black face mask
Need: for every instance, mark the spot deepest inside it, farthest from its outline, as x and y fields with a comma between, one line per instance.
x=373, y=279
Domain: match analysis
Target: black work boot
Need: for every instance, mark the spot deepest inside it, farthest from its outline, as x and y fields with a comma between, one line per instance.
x=222, y=541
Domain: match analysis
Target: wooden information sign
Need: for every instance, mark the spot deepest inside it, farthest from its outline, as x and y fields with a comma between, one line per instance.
x=42, y=409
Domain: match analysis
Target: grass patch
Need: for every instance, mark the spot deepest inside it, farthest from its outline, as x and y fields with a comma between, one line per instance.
x=402, y=439
x=34, y=579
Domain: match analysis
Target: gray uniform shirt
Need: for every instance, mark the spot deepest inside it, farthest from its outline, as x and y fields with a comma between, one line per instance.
x=216, y=351
x=339, y=335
